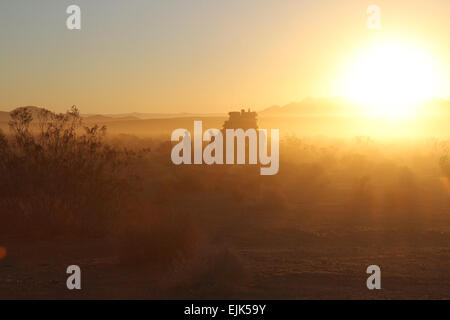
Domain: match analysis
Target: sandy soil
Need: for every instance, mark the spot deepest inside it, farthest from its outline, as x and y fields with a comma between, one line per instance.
x=283, y=264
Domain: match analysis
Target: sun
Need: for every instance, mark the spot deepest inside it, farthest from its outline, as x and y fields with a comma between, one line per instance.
x=391, y=79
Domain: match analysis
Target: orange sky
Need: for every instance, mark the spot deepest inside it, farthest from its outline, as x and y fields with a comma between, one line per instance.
x=203, y=56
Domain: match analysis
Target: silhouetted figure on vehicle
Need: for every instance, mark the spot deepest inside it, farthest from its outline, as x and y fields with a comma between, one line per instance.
x=241, y=120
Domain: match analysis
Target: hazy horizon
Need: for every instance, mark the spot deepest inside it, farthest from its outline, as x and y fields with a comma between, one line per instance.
x=313, y=100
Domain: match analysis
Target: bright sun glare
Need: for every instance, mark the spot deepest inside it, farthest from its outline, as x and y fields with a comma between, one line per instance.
x=391, y=79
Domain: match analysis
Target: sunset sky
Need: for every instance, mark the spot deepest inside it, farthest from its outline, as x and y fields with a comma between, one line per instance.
x=201, y=56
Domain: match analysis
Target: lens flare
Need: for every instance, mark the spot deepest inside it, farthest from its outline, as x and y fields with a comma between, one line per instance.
x=2, y=252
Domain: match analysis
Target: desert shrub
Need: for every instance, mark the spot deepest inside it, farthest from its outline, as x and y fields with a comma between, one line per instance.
x=58, y=174
x=155, y=237
x=180, y=256
x=445, y=165
x=214, y=272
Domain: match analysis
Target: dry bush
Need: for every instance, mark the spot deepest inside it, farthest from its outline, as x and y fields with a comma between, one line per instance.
x=59, y=175
x=156, y=238
x=214, y=273
x=445, y=165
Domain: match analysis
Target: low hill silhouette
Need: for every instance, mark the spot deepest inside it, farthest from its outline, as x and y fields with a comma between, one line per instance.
x=339, y=106
x=312, y=106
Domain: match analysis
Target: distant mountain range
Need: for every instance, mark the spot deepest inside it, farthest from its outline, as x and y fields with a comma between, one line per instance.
x=146, y=116
x=311, y=106
x=307, y=107
x=338, y=106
